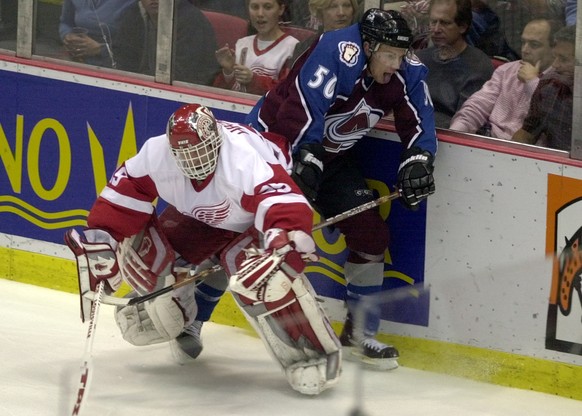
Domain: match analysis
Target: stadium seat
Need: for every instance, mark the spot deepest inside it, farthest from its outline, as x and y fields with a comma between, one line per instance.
x=497, y=61
x=299, y=33
x=227, y=28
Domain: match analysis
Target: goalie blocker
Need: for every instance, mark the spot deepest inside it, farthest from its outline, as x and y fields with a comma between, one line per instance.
x=279, y=302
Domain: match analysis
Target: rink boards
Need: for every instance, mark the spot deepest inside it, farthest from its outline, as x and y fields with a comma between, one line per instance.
x=471, y=285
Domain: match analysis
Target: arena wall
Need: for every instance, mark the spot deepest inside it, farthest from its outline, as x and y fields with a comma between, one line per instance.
x=480, y=281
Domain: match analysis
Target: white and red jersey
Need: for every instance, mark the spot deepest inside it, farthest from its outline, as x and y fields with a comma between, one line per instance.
x=250, y=185
x=267, y=63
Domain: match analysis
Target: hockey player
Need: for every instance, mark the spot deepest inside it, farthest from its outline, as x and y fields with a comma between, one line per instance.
x=334, y=95
x=226, y=183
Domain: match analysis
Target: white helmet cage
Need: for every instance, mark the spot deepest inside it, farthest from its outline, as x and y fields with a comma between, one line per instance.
x=195, y=140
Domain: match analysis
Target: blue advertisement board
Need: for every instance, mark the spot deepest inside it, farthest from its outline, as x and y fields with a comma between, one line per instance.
x=60, y=142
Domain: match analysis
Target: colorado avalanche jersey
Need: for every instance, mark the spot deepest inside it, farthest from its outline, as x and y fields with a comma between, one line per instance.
x=329, y=98
x=249, y=186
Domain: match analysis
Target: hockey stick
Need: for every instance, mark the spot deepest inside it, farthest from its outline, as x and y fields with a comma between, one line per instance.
x=356, y=210
x=113, y=300
x=87, y=363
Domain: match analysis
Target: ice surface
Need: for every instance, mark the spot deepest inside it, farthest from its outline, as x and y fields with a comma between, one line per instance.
x=42, y=341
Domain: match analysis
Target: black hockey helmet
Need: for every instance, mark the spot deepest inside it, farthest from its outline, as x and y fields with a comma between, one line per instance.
x=385, y=26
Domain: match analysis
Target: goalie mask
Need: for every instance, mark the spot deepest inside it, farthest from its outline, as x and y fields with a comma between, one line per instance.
x=385, y=26
x=195, y=140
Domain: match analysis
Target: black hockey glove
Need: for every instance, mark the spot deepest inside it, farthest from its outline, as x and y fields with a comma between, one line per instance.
x=415, y=180
x=308, y=168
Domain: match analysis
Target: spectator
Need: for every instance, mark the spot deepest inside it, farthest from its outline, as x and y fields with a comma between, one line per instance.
x=486, y=32
x=455, y=69
x=549, y=9
x=416, y=14
x=258, y=61
x=333, y=14
x=307, y=14
x=500, y=106
x=571, y=6
x=194, y=44
x=96, y=24
x=549, y=119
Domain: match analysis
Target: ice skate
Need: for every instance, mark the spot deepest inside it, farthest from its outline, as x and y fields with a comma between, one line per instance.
x=188, y=345
x=367, y=350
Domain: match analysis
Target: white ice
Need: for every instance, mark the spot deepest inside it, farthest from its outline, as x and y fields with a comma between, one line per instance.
x=42, y=341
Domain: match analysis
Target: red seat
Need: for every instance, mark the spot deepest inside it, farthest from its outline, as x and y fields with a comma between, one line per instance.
x=299, y=33
x=227, y=28
x=497, y=61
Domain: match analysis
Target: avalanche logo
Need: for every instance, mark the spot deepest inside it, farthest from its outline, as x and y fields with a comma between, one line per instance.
x=349, y=52
x=344, y=130
x=213, y=215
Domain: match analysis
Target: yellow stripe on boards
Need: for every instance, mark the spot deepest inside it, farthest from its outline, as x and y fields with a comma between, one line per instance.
x=488, y=366
x=474, y=363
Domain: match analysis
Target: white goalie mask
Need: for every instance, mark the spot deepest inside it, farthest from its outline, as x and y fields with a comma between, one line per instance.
x=195, y=140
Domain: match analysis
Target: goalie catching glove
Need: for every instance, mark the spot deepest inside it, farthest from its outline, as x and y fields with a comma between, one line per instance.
x=415, y=179
x=279, y=302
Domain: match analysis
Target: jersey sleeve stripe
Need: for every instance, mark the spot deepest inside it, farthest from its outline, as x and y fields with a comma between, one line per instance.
x=125, y=201
x=265, y=205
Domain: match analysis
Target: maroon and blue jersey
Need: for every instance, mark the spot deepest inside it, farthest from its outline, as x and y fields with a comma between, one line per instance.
x=329, y=98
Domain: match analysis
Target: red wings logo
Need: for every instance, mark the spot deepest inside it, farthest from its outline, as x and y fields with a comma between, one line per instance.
x=213, y=215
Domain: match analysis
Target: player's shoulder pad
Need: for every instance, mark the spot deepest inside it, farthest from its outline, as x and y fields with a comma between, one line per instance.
x=413, y=69
x=412, y=59
x=155, y=145
x=346, y=45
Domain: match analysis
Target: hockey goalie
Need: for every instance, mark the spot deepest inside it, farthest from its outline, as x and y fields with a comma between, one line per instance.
x=230, y=202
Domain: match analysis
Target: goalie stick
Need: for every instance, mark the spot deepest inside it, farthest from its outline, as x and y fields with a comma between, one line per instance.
x=87, y=360
x=113, y=300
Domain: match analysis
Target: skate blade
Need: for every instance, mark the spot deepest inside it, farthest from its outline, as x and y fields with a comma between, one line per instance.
x=180, y=357
x=379, y=364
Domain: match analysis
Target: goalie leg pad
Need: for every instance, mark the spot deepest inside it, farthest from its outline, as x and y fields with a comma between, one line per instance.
x=184, y=297
x=152, y=322
x=283, y=310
